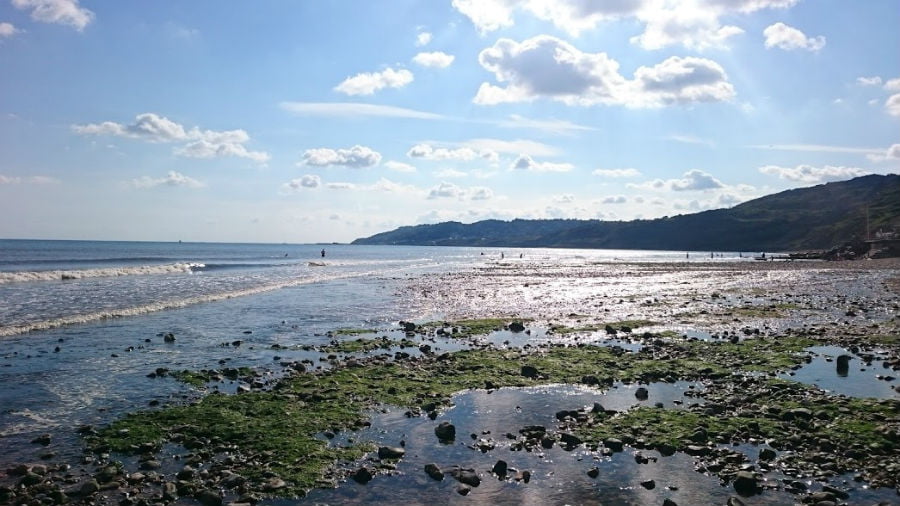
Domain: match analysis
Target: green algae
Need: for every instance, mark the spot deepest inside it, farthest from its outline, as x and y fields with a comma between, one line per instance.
x=278, y=432
x=351, y=332
x=363, y=345
x=205, y=376
x=468, y=328
x=619, y=326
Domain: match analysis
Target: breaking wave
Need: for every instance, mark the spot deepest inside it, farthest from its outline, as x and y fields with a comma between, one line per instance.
x=64, y=275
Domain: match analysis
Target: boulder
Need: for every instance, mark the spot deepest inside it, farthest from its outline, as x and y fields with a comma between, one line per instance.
x=466, y=476
x=434, y=472
x=362, y=476
x=500, y=468
x=445, y=431
x=641, y=394
x=516, y=326
x=391, y=452
x=529, y=371
x=745, y=483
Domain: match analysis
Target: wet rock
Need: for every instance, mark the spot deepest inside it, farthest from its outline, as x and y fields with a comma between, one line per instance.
x=391, y=452
x=610, y=330
x=500, y=468
x=408, y=326
x=613, y=444
x=516, y=326
x=529, y=371
x=523, y=476
x=566, y=413
x=734, y=501
x=43, y=439
x=169, y=337
x=445, y=432
x=594, y=472
x=766, y=454
x=569, y=440
x=30, y=479
x=696, y=450
x=463, y=490
x=641, y=394
x=745, y=483
x=666, y=450
x=89, y=488
x=209, y=497
x=362, y=476
x=669, y=502
x=434, y=472
x=274, y=483
x=466, y=476
x=150, y=465
x=648, y=484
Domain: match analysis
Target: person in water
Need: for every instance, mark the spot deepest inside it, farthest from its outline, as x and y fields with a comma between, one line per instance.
x=323, y=252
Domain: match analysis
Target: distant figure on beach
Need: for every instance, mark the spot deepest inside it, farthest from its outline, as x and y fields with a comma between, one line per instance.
x=323, y=252
x=502, y=255
x=521, y=255
x=687, y=255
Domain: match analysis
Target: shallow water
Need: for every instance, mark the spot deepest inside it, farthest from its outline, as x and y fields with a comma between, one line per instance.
x=856, y=380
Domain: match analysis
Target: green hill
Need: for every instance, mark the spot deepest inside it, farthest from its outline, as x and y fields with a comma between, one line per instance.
x=818, y=217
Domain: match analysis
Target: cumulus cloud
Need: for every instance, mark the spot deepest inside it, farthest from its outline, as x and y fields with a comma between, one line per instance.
x=695, y=24
x=399, y=166
x=28, y=180
x=892, y=105
x=171, y=179
x=547, y=67
x=152, y=127
x=8, y=30
x=566, y=198
x=368, y=83
x=449, y=174
x=892, y=84
x=615, y=199
x=436, y=59
x=692, y=180
x=868, y=81
x=428, y=152
x=452, y=191
x=810, y=174
x=62, y=12
x=307, y=181
x=355, y=157
x=616, y=172
x=525, y=162
x=789, y=38
x=423, y=38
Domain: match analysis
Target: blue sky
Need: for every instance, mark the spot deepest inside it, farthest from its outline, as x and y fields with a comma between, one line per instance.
x=309, y=121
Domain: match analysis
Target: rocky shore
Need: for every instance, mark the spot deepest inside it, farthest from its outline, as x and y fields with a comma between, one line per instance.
x=737, y=335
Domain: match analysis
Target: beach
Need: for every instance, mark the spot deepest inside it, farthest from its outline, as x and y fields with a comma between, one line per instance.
x=568, y=377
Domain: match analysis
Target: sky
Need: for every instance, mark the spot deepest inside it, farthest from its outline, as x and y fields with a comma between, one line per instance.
x=323, y=121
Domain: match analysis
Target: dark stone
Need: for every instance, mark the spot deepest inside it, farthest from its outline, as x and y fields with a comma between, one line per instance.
x=208, y=497
x=566, y=413
x=500, y=468
x=767, y=454
x=391, y=452
x=362, y=476
x=648, y=484
x=734, y=501
x=610, y=330
x=613, y=444
x=745, y=483
x=843, y=365
x=516, y=326
x=570, y=440
x=463, y=490
x=669, y=502
x=594, y=472
x=466, y=476
x=408, y=326
x=445, y=431
x=30, y=479
x=169, y=338
x=641, y=393
x=89, y=487
x=43, y=439
x=529, y=371
x=434, y=471
x=666, y=450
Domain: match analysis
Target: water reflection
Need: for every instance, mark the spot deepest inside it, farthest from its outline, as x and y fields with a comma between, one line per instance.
x=837, y=370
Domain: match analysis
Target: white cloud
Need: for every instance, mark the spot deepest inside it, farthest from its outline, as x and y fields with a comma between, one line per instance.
x=452, y=191
x=388, y=186
x=307, y=181
x=517, y=146
x=892, y=84
x=690, y=139
x=629, y=172
x=340, y=186
x=868, y=81
x=436, y=59
x=566, y=198
x=423, y=38
x=28, y=180
x=368, y=83
x=355, y=157
x=399, y=166
x=814, y=148
x=892, y=105
x=789, y=38
x=63, y=12
x=525, y=162
x=615, y=199
x=152, y=127
x=547, y=67
x=171, y=179
x=693, y=180
x=354, y=110
x=8, y=30
x=695, y=24
x=428, y=152
x=810, y=174
x=687, y=23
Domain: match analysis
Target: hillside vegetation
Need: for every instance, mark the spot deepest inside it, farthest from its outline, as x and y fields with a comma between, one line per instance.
x=818, y=217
